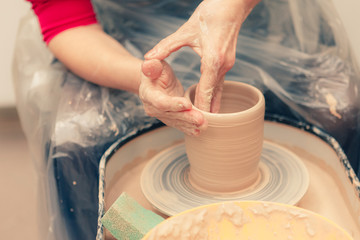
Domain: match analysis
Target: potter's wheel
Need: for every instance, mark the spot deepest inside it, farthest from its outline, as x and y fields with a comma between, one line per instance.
x=165, y=182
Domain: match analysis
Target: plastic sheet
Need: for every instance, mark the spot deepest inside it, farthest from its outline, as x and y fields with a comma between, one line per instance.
x=296, y=52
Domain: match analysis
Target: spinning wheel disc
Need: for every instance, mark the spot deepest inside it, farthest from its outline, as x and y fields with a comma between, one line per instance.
x=165, y=180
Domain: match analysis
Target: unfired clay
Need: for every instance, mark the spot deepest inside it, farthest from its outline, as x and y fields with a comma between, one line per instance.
x=225, y=157
x=327, y=194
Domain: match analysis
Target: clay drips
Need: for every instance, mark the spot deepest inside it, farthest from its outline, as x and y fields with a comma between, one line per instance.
x=225, y=157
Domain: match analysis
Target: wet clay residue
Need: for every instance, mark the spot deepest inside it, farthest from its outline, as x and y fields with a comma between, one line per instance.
x=128, y=180
x=325, y=194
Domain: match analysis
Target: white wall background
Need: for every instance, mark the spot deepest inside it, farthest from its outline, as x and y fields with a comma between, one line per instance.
x=348, y=11
x=10, y=13
x=12, y=10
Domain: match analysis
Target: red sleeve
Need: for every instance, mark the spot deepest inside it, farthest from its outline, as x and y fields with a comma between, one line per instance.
x=56, y=16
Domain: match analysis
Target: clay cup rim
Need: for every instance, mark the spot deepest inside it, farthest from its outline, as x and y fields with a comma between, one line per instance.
x=231, y=94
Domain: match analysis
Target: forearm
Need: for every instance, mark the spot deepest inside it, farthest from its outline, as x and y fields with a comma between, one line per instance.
x=95, y=56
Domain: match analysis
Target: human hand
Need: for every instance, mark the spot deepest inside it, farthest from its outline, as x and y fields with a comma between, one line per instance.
x=162, y=95
x=212, y=33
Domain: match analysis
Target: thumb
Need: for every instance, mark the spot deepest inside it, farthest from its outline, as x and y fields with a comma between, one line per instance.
x=167, y=46
x=152, y=68
x=159, y=71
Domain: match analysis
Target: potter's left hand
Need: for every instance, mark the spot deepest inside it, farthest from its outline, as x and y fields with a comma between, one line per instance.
x=212, y=33
x=163, y=97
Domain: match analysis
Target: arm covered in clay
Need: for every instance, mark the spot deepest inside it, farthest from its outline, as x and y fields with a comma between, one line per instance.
x=95, y=56
x=212, y=33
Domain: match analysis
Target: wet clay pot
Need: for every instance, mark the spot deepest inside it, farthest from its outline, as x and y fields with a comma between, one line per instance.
x=225, y=157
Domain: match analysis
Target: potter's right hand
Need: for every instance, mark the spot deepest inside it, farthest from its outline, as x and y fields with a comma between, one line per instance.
x=163, y=97
x=212, y=32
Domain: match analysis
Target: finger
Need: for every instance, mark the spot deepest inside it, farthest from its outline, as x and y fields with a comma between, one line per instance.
x=208, y=97
x=188, y=129
x=209, y=90
x=217, y=94
x=188, y=118
x=160, y=102
x=177, y=123
x=173, y=104
x=205, y=90
x=190, y=122
x=168, y=45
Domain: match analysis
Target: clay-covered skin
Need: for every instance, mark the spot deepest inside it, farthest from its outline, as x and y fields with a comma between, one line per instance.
x=212, y=32
x=162, y=96
x=225, y=157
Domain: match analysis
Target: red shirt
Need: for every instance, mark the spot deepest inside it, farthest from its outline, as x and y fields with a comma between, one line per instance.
x=56, y=16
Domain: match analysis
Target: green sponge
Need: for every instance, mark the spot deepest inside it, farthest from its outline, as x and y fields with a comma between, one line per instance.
x=127, y=219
